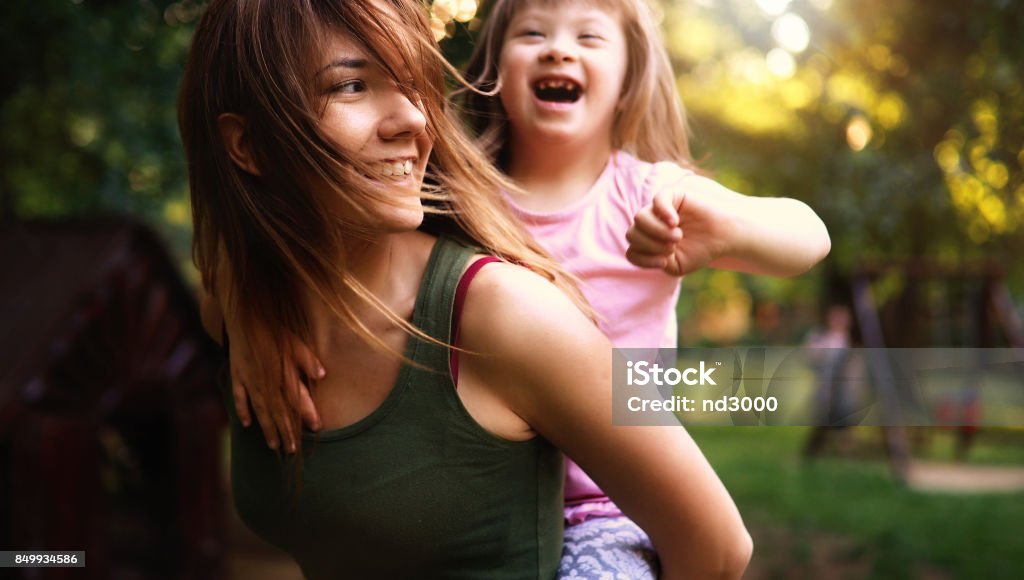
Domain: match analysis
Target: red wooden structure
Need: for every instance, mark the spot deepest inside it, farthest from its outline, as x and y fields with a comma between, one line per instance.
x=110, y=416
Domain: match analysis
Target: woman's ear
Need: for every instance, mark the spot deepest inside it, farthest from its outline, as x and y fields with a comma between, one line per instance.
x=236, y=140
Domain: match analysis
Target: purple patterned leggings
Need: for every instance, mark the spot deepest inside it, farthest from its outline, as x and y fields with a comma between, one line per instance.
x=607, y=549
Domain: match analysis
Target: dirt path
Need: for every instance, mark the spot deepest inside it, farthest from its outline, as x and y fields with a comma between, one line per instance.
x=960, y=478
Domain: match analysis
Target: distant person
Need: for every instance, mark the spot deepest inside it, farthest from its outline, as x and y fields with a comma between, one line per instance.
x=832, y=359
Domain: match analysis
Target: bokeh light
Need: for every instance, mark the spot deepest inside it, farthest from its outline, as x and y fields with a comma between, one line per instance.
x=858, y=133
x=791, y=32
x=444, y=13
x=773, y=7
x=781, y=63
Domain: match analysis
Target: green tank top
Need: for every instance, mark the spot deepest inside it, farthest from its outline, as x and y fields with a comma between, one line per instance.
x=417, y=489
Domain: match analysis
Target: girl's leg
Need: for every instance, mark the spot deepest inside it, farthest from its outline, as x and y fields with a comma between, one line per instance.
x=603, y=548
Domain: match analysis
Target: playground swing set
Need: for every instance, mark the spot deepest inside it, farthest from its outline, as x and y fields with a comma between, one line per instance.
x=929, y=305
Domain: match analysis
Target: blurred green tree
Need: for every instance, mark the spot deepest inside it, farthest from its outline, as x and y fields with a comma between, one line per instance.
x=901, y=122
x=88, y=111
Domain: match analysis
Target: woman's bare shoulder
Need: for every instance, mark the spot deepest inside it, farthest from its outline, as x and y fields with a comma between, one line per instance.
x=515, y=312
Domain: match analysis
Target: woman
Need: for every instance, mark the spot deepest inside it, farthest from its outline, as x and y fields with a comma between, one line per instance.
x=309, y=127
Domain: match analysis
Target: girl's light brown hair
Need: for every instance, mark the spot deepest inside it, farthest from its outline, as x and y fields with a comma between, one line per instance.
x=650, y=122
x=262, y=241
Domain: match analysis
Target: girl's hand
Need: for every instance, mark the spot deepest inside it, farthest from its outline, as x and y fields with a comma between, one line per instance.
x=678, y=233
x=698, y=223
x=274, y=413
x=247, y=389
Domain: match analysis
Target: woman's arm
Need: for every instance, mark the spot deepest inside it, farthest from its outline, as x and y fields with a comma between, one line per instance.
x=553, y=367
x=702, y=223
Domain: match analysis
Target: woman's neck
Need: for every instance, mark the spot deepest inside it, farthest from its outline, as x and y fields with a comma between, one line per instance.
x=389, y=267
x=372, y=263
x=555, y=175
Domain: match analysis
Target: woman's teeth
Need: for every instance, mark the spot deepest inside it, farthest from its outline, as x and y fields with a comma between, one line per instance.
x=393, y=168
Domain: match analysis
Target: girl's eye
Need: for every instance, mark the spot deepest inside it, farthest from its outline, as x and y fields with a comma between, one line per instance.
x=349, y=87
x=591, y=37
x=533, y=33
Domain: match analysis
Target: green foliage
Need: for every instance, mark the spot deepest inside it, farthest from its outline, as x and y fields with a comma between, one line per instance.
x=89, y=110
x=938, y=88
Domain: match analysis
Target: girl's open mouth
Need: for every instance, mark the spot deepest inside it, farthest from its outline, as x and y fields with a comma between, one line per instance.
x=560, y=90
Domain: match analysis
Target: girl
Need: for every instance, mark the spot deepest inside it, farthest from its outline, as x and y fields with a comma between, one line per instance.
x=309, y=126
x=575, y=100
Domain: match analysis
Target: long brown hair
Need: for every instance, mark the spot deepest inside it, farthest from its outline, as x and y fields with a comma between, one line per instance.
x=260, y=241
x=651, y=121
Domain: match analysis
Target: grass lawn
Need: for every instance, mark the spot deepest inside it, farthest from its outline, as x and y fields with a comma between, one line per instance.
x=848, y=518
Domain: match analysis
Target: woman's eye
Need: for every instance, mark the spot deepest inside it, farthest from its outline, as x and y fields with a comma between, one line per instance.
x=349, y=87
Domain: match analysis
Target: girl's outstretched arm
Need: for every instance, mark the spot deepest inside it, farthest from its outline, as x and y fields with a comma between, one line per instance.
x=701, y=223
x=553, y=368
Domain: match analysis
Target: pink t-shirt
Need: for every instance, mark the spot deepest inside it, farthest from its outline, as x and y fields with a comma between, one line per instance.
x=636, y=305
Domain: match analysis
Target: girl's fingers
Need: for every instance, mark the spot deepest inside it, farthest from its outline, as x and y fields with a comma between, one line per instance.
x=241, y=402
x=645, y=260
x=303, y=401
x=673, y=266
x=650, y=226
x=307, y=410
x=268, y=426
x=287, y=430
x=664, y=209
x=650, y=229
x=661, y=241
x=293, y=387
x=307, y=361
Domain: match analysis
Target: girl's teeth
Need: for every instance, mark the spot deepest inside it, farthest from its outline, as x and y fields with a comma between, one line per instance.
x=555, y=84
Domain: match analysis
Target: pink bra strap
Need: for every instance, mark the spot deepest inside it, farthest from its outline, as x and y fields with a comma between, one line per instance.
x=460, y=299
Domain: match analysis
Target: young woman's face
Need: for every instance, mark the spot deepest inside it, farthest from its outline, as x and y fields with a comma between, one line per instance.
x=562, y=68
x=369, y=118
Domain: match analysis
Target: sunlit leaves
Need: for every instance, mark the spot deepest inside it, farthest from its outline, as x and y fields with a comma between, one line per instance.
x=901, y=122
x=979, y=182
x=445, y=13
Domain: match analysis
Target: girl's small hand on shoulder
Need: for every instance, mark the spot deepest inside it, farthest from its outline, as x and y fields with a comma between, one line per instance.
x=248, y=391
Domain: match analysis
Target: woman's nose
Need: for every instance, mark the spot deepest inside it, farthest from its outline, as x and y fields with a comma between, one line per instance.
x=405, y=119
